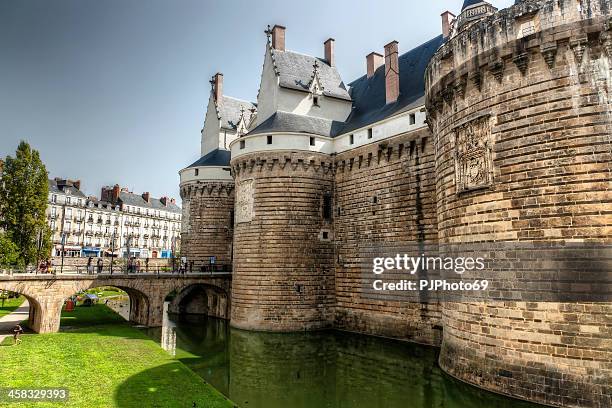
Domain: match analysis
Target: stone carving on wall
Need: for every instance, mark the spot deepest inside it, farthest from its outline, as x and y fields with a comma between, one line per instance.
x=185, y=225
x=473, y=163
x=244, y=201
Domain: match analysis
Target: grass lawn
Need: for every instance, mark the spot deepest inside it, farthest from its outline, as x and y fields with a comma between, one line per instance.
x=104, y=362
x=10, y=305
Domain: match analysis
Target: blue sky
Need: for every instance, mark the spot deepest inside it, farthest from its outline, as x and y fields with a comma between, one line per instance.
x=114, y=91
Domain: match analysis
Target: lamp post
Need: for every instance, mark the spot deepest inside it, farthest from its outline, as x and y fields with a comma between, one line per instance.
x=112, y=252
x=63, y=246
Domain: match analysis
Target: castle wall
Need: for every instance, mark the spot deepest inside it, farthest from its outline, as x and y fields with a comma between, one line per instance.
x=283, y=265
x=538, y=110
x=384, y=196
x=208, y=231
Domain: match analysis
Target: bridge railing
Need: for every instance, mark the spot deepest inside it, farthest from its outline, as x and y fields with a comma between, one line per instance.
x=134, y=270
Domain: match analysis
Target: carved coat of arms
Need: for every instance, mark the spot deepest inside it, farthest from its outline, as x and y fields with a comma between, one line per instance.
x=244, y=201
x=473, y=164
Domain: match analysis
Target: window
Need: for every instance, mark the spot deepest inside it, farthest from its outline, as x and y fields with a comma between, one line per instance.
x=315, y=101
x=312, y=141
x=352, y=139
x=54, y=198
x=269, y=139
x=67, y=200
x=197, y=172
x=327, y=207
x=242, y=144
x=369, y=133
x=412, y=118
x=325, y=235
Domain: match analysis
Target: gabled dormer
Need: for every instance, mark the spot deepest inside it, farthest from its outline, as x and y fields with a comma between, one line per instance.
x=300, y=84
x=226, y=118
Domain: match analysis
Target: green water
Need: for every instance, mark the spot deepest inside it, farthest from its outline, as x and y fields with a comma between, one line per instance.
x=317, y=370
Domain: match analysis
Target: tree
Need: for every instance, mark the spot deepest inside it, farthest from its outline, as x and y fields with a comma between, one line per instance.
x=8, y=252
x=24, y=191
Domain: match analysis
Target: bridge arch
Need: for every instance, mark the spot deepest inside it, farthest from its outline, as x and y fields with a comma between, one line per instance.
x=41, y=308
x=201, y=299
x=139, y=300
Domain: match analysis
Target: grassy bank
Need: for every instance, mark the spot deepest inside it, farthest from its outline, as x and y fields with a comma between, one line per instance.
x=10, y=305
x=104, y=362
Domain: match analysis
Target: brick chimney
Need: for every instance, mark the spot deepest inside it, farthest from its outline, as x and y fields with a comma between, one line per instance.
x=77, y=184
x=447, y=23
x=373, y=61
x=116, y=191
x=217, y=83
x=278, y=37
x=329, y=52
x=391, y=72
x=164, y=201
x=172, y=201
x=147, y=197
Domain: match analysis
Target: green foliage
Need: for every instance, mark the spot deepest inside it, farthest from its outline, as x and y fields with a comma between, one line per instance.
x=8, y=252
x=24, y=190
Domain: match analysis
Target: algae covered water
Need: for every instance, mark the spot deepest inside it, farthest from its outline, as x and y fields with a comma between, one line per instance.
x=315, y=370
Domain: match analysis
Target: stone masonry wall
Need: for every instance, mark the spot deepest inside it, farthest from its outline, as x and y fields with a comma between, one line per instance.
x=209, y=230
x=283, y=255
x=531, y=117
x=384, y=195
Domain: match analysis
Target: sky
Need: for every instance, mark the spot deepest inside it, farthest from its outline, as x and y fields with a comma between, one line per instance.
x=114, y=91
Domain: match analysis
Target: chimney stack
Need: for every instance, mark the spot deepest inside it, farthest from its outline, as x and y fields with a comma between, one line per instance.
x=447, y=21
x=329, y=51
x=146, y=196
x=278, y=37
x=373, y=61
x=116, y=191
x=218, y=86
x=392, y=85
x=77, y=184
x=164, y=201
x=173, y=201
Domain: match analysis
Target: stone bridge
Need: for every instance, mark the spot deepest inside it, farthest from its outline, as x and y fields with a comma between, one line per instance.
x=47, y=293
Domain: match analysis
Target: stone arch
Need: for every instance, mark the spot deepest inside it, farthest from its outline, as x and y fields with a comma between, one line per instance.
x=139, y=301
x=42, y=308
x=201, y=298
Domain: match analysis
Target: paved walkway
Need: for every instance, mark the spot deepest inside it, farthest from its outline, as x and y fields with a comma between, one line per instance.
x=8, y=322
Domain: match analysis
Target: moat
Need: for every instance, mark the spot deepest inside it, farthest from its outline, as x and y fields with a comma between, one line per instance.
x=315, y=370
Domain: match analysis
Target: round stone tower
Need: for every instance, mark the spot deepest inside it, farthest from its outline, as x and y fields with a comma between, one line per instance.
x=519, y=104
x=283, y=255
x=207, y=190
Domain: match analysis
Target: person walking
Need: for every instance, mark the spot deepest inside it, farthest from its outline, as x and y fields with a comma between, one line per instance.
x=138, y=266
x=90, y=266
x=17, y=331
x=100, y=265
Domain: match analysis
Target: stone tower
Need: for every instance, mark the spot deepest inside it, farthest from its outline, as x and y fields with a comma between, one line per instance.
x=518, y=102
x=207, y=187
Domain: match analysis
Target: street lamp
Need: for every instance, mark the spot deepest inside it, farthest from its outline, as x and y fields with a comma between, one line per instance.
x=112, y=252
x=63, y=247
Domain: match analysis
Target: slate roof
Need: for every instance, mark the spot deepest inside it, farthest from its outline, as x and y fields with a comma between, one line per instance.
x=369, y=102
x=217, y=157
x=290, y=122
x=137, y=200
x=468, y=3
x=295, y=72
x=230, y=110
x=74, y=192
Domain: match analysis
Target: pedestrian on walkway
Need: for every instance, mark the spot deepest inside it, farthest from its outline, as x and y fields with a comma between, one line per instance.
x=100, y=264
x=17, y=331
x=90, y=266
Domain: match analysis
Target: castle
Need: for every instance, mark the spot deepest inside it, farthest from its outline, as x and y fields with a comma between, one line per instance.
x=497, y=130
